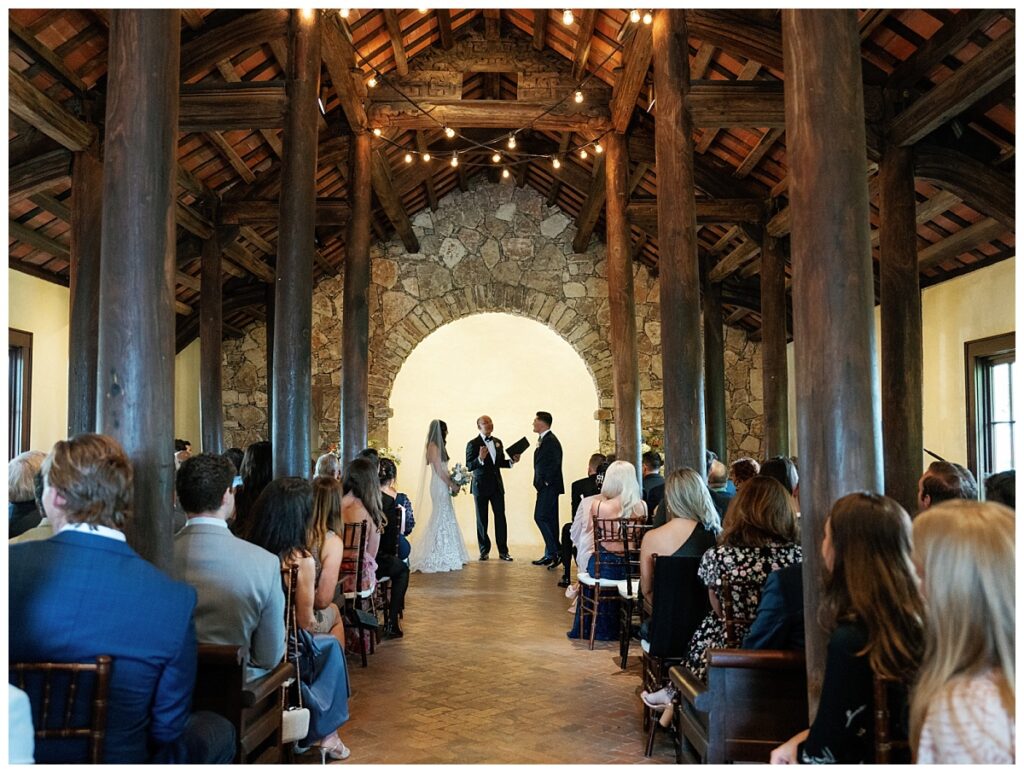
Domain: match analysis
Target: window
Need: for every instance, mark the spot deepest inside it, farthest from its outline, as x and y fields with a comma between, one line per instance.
x=19, y=391
x=991, y=372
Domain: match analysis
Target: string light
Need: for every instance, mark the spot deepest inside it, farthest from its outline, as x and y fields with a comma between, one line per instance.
x=634, y=16
x=426, y=156
x=579, y=96
x=648, y=18
x=496, y=158
x=307, y=14
x=343, y=13
x=424, y=10
x=512, y=141
x=455, y=159
x=598, y=148
x=583, y=152
x=556, y=163
x=408, y=158
x=376, y=132
x=505, y=173
x=372, y=83
x=567, y=17
x=449, y=132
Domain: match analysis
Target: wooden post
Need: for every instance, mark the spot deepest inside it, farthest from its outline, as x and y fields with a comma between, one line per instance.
x=293, y=301
x=137, y=269
x=83, y=333
x=211, y=330
x=269, y=309
x=682, y=357
x=838, y=426
x=773, y=348
x=625, y=371
x=355, y=310
x=902, y=359
x=714, y=369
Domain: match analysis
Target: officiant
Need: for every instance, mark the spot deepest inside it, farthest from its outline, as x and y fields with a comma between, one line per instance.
x=485, y=458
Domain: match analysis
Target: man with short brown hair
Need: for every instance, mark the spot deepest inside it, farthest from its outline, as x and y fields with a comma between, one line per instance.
x=943, y=481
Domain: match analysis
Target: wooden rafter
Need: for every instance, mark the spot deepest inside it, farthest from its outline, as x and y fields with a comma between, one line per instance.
x=226, y=106
x=953, y=34
x=44, y=56
x=40, y=111
x=266, y=212
x=444, y=28
x=56, y=208
x=739, y=32
x=591, y=208
x=227, y=71
x=231, y=155
x=734, y=260
x=48, y=245
x=392, y=204
x=540, y=27
x=927, y=210
x=748, y=73
x=38, y=174
x=395, y=35
x=758, y=152
x=636, y=60
x=230, y=39
x=985, y=189
x=701, y=61
x=584, y=37
x=644, y=213
x=962, y=241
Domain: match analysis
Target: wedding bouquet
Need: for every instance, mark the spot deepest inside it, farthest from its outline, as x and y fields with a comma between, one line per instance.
x=460, y=477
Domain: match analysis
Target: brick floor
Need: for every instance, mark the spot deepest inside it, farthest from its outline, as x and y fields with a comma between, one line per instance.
x=485, y=674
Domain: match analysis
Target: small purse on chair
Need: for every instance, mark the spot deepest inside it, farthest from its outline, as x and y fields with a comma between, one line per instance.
x=294, y=719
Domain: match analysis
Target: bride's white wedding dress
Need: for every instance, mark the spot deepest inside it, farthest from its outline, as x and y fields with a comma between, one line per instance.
x=441, y=548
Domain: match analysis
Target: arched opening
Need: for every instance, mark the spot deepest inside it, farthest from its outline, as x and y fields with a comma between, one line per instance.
x=507, y=367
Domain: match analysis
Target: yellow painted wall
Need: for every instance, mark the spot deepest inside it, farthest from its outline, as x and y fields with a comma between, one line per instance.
x=509, y=368
x=972, y=306
x=41, y=308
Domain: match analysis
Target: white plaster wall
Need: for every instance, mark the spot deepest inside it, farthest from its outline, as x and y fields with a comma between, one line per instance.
x=509, y=368
x=186, y=397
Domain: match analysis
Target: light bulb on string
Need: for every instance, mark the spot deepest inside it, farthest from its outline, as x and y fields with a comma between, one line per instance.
x=579, y=96
x=512, y=141
x=496, y=158
x=308, y=14
x=648, y=18
x=598, y=148
x=372, y=83
x=343, y=13
x=408, y=158
x=426, y=156
x=449, y=132
x=376, y=132
x=634, y=16
x=556, y=163
x=583, y=152
x=567, y=17
x=455, y=160
x=505, y=173
x=424, y=10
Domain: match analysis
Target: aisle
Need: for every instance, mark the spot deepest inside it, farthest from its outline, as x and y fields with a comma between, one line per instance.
x=486, y=674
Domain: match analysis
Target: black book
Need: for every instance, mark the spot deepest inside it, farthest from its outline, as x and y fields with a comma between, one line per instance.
x=518, y=447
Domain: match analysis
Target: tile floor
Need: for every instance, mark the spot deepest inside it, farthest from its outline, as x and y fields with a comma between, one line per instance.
x=485, y=674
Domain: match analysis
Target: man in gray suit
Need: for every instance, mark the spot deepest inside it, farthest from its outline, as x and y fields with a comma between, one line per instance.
x=240, y=599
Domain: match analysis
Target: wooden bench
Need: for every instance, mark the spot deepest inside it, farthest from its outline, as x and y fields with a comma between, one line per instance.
x=753, y=701
x=254, y=708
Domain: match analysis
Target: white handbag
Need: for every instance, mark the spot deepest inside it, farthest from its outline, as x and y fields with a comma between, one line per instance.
x=294, y=719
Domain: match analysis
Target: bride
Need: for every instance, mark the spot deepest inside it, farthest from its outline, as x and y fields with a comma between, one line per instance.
x=441, y=547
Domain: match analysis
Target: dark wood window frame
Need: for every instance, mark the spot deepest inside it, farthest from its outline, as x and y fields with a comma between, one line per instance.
x=977, y=355
x=21, y=339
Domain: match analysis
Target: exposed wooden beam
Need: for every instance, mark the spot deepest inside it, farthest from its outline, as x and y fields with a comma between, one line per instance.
x=50, y=204
x=636, y=60
x=250, y=235
x=392, y=204
x=48, y=245
x=192, y=17
x=701, y=61
x=758, y=152
x=556, y=179
x=870, y=21
x=540, y=27
x=736, y=316
x=734, y=260
x=739, y=32
x=421, y=147
x=227, y=40
x=644, y=214
x=37, y=271
x=987, y=190
x=727, y=237
x=488, y=114
x=591, y=208
x=720, y=104
x=53, y=120
x=38, y=174
x=340, y=60
x=395, y=35
x=747, y=73
x=947, y=39
x=962, y=241
x=926, y=210
x=492, y=23
x=991, y=67
x=186, y=280
x=265, y=212
x=232, y=157
x=227, y=70
x=444, y=28
x=45, y=57
x=584, y=37
x=225, y=106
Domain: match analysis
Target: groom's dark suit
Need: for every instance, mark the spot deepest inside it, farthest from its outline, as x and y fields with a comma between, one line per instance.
x=547, y=480
x=487, y=488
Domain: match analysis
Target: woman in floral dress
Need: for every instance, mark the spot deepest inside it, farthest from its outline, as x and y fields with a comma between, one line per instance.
x=761, y=535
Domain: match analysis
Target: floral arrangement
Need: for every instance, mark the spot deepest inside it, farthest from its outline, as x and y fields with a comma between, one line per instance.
x=394, y=454
x=460, y=477
x=655, y=442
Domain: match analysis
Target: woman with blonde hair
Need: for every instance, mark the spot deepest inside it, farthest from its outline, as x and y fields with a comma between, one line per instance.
x=760, y=536
x=326, y=547
x=620, y=497
x=872, y=609
x=962, y=708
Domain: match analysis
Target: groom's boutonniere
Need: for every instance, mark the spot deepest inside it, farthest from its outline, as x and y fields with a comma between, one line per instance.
x=498, y=444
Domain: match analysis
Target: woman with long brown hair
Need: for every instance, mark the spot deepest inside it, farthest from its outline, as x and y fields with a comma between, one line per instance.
x=325, y=546
x=360, y=503
x=874, y=612
x=760, y=536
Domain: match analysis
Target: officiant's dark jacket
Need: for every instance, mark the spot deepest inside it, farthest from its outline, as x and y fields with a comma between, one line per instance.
x=486, y=473
x=547, y=465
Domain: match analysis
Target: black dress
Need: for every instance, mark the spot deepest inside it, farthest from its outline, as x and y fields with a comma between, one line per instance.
x=388, y=562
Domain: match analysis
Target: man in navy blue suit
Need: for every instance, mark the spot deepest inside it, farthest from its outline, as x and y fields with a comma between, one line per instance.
x=84, y=593
x=547, y=480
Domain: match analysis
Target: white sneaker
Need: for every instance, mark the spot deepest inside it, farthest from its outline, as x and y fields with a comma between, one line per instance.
x=660, y=699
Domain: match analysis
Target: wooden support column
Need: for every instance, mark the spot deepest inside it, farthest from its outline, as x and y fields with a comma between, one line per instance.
x=625, y=368
x=83, y=333
x=715, y=421
x=355, y=310
x=838, y=427
x=902, y=358
x=269, y=307
x=136, y=293
x=293, y=301
x=682, y=355
x=773, y=347
x=211, y=333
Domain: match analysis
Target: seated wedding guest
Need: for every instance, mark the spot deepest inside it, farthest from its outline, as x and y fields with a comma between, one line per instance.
x=238, y=584
x=43, y=530
x=1001, y=487
x=871, y=605
x=584, y=487
x=779, y=623
x=371, y=454
x=742, y=470
x=620, y=497
x=22, y=513
x=327, y=550
x=653, y=482
x=182, y=451
x=84, y=593
x=21, y=736
x=389, y=564
x=962, y=708
x=328, y=466
x=280, y=518
x=690, y=528
x=408, y=522
x=257, y=470
x=362, y=503
x=783, y=470
x=235, y=455
x=760, y=535
x=943, y=481
x=720, y=487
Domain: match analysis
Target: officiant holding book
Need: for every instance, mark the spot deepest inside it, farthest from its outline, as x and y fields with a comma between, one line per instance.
x=485, y=458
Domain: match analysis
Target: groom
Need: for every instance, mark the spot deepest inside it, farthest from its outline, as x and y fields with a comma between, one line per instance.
x=485, y=457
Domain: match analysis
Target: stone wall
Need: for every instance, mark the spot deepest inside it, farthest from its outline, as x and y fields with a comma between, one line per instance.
x=496, y=248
